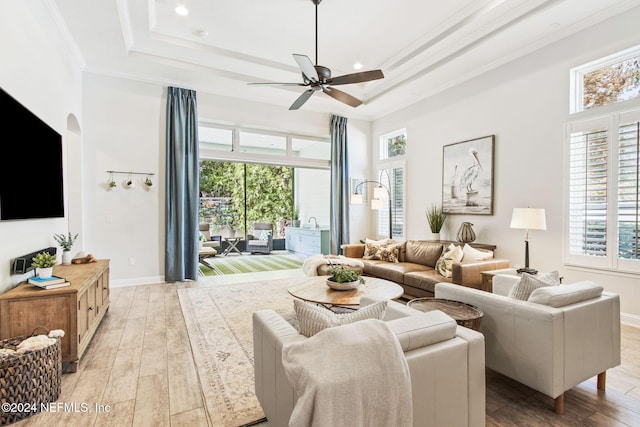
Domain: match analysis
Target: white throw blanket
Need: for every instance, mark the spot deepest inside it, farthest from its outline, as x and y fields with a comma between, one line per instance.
x=311, y=264
x=353, y=375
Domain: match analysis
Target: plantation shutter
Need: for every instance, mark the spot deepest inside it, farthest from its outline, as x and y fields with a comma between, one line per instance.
x=397, y=207
x=396, y=186
x=588, y=193
x=628, y=187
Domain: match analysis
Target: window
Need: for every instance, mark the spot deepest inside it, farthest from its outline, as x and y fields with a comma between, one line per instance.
x=218, y=139
x=609, y=80
x=391, y=173
x=222, y=142
x=393, y=144
x=392, y=178
x=603, y=184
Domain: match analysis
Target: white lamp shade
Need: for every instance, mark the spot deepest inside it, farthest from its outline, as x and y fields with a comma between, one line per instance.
x=356, y=199
x=380, y=193
x=529, y=219
x=376, y=204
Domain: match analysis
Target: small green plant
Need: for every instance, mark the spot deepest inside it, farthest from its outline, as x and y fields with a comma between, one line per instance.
x=112, y=183
x=44, y=260
x=341, y=274
x=435, y=218
x=65, y=241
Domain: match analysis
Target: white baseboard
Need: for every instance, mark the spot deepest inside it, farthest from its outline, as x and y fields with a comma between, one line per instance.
x=136, y=281
x=630, y=319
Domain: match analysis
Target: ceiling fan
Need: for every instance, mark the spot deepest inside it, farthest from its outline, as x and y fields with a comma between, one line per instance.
x=316, y=78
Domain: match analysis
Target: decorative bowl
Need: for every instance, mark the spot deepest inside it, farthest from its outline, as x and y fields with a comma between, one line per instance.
x=347, y=286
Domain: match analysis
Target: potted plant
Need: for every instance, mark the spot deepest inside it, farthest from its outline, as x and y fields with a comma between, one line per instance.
x=44, y=262
x=295, y=219
x=435, y=218
x=66, y=242
x=343, y=278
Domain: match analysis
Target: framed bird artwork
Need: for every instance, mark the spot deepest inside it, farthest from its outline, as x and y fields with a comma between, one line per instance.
x=467, y=176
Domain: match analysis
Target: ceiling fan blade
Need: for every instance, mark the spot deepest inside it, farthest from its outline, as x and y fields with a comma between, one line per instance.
x=341, y=96
x=307, y=67
x=301, y=99
x=363, y=76
x=276, y=84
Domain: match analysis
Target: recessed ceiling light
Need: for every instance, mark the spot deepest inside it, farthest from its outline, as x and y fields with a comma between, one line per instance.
x=181, y=10
x=357, y=66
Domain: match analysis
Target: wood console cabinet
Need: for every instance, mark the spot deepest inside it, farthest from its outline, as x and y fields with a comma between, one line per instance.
x=77, y=309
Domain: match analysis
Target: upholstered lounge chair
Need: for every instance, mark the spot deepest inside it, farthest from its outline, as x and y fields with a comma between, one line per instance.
x=214, y=242
x=261, y=241
x=446, y=365
x=547, y=345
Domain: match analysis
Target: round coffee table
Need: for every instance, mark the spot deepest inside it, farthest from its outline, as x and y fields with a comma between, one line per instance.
x=315, y=290
x=464, y=314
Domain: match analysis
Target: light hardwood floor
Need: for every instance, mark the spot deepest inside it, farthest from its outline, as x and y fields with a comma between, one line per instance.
x=140, y=366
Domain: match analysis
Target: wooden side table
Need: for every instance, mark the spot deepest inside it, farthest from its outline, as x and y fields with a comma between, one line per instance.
x=464, y=314
x=487, y=277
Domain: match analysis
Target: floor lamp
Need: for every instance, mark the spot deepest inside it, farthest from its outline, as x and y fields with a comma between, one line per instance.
x=528, y=219
x=376, y=201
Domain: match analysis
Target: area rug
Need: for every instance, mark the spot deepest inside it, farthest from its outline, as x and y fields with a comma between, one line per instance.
x=248, y=264
x=219, y=323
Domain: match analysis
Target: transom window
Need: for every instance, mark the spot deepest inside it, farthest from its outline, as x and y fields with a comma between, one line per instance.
x=393, y=144
x=609, y=80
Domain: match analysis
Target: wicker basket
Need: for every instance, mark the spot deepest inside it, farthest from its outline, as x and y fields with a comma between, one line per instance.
x=28, y=380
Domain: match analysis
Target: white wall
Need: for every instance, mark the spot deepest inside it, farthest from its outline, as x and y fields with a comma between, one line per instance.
x=125, y=130
x=42, y=74
x=525, y=104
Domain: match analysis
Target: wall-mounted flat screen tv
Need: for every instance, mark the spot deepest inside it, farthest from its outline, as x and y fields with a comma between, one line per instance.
x=31, y=176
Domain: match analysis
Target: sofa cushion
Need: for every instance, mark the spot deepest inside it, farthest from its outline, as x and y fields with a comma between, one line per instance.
x=423, y=252
x=313, y=318
x=425, y=280
x=528, y=283
x=392, y=271
x=450, y=255
x=423, y=329
x=559, y=296
x=472, y=254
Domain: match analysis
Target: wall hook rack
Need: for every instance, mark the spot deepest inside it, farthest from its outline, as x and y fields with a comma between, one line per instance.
x=111, y=184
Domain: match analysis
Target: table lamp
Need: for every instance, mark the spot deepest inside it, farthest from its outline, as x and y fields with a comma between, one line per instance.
x=528, y=219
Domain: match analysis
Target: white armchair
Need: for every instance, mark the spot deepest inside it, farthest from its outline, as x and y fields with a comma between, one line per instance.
x=446, y=365
x=550, y=349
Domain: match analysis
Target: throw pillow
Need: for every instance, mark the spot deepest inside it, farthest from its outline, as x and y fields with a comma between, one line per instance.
x=472, y=254
x=450, y=255
x=524, y=287
x=559, y=296
x=264, y=235
x=389, y=253
x=313, y=318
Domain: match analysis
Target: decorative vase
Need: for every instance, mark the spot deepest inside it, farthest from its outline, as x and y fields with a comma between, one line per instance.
x=44, y=273
x=466, y=233
x=435, y=236
x=66, y=257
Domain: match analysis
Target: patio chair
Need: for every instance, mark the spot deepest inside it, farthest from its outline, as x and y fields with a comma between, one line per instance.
x=261, y=241
x=214, y=242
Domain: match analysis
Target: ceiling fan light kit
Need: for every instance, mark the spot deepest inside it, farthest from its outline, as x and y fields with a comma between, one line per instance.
x=318, y=78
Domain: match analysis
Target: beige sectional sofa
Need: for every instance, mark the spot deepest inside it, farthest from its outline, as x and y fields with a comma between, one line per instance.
x=415, y=270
